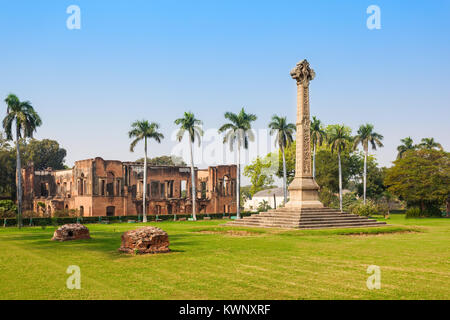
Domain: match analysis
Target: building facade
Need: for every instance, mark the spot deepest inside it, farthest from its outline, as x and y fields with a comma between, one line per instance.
x=97, y=187
x=274, y=197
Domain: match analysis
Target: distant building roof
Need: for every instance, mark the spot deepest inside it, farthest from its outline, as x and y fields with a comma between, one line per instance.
x=269, y=193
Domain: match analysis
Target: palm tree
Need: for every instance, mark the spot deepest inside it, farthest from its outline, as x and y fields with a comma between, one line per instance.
x=26, y=120
x=339, y=140
x=407, y=144
x=365, y=136
x=318, y=134
x=284, y=131
x=191, y=125
x=238, y=130
x=430, y=143
x=143, y=130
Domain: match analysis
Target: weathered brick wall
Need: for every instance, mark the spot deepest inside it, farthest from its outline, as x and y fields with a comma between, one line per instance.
x=98, y=187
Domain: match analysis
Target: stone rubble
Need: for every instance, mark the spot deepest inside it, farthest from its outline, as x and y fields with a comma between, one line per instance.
x=74, y=231
x=145, y=240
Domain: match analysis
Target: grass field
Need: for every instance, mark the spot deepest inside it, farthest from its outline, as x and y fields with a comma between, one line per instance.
x=209, y=261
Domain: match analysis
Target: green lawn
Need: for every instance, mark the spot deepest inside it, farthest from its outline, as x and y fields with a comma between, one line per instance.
x=209, y=261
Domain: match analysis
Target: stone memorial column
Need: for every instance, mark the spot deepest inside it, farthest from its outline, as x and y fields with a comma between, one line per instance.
x=304, y=191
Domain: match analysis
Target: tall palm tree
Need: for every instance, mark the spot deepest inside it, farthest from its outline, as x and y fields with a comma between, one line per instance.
x=407, y=144
x=318, y=135
x=26, y=120
x=339, y=140
x=143, y=130
x=238, y=130
x=284, y=131
x=430, y=143
x=192, y=126
x=365, y=136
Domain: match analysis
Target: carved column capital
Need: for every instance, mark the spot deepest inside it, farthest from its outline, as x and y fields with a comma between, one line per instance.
x=303, y=73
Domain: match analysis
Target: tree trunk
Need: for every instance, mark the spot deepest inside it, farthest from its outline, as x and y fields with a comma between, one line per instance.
x=144, y=189
x=194, y=195
x=340, y=181
x=365, y=174
x=238, y=184
x=274, y=202
x=314, y=162
x=284, y=177
x=19, y=180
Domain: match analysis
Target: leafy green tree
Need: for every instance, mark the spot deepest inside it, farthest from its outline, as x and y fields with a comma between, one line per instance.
x=245, y=193
x=318, y=135
x=143, y=130
x=407, y=145
x=8, y=169
x=421, y=178
x=375, y=187
x=284, y=132
x=7, y=174
x=26, y=120
x=430, y=143
x=339, y=139
x=290, y=163
x=238, y=131
x=328, y=169
x=164, y=161
x=7, y=209
x=192, y=126
x=45, y=153
x=259, y=173
x=364, y=136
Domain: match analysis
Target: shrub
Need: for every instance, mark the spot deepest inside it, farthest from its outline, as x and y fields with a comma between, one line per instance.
x=328, y=198
x=433, y=211
x=348, y=200
x=416, y=212
x=362, y=209
x=383, y=208
x=413, y=212
x=264, y=206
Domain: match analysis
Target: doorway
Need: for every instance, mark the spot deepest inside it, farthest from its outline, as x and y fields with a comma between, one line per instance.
x=110, y=211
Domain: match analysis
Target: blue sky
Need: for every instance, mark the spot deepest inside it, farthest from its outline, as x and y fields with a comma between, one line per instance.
x=156, y=59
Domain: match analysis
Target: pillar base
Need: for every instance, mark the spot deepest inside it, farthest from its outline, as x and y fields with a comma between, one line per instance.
x=304, y=193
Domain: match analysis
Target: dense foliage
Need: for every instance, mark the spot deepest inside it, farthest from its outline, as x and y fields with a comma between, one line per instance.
x=421, y=178
x=41, y=153
x=164, y=161
x=260, y=174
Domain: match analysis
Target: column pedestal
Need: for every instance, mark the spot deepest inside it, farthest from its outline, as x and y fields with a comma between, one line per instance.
x=304, y=193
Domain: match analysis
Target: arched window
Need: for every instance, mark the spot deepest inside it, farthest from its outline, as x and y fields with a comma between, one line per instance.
x=226, y=186
x=110, y=184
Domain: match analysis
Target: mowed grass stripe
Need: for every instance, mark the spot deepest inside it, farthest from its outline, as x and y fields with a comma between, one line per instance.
x=213, y=264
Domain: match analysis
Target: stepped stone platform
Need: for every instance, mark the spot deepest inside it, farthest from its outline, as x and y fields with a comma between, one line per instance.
x=306, y=218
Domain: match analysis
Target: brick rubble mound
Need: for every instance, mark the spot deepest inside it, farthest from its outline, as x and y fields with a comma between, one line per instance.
x=145, y=240
x=74, y=231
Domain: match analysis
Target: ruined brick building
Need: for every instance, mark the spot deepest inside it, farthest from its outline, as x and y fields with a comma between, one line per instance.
x=97, y=187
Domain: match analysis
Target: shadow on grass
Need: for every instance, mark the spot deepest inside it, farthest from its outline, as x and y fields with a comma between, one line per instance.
x=105, y=242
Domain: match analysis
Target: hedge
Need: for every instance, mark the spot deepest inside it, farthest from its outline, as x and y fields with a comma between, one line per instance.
x=12, y=222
